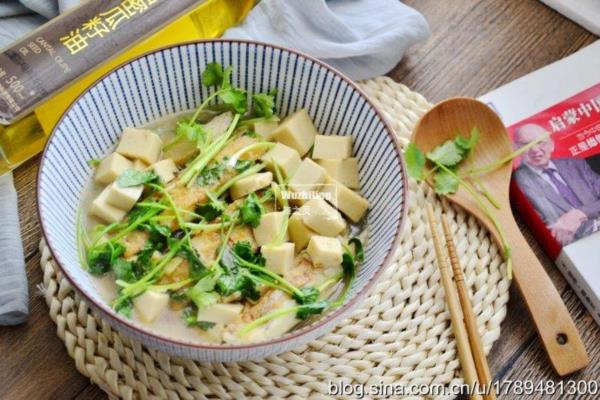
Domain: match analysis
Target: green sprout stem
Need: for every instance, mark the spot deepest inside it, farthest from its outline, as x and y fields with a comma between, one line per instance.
x=252, y=170
x=497, y=164
x=489, y=214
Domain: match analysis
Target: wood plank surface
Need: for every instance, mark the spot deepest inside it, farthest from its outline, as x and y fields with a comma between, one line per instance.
x=475, y=46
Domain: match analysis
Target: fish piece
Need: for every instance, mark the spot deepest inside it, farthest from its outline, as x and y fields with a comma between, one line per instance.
x=135, y=242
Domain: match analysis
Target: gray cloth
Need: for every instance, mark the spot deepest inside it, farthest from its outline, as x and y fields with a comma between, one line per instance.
x=578, y=175
x=13, y=282
x=362, y=38
x=16, y=20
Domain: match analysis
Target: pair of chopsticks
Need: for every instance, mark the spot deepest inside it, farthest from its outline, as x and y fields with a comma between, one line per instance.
x=476, y=371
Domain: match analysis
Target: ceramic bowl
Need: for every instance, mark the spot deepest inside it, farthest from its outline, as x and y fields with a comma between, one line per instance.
x=167, y=81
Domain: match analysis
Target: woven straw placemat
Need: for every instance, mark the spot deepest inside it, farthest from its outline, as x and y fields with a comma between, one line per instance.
x=400, y=335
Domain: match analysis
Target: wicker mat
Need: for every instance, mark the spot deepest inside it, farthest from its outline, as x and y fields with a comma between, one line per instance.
x=399, y=336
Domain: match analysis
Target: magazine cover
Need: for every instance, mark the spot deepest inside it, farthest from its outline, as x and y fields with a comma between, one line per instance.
x=556, y=183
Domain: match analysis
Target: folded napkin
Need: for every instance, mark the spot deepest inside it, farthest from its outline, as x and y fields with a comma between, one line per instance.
x=584, y=12
x=362, y=38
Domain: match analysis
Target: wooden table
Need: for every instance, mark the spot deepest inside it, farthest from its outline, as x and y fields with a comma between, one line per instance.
x=475, y=46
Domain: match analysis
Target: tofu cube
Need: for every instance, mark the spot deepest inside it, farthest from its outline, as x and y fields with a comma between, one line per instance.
x=139, y=165
x=269, y=228
x=352, y=204
x=250, y=184
x=265, y=128
x=297, y=131
x=221, y=313
x=219, y=124
x=106, y=212
x=299, y=233
x=322, y=218
x=149, y=305
x=332, y=147
x=307, y=179
x=279, y=258
x=344, y=171
x=111, y=167
x=325, y=251
x=286, y=158
x=123, y=197
x=165, y=169
x=181, y=152
x=140, y=143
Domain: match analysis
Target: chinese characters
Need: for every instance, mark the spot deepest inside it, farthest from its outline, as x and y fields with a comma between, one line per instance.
x=103, y=24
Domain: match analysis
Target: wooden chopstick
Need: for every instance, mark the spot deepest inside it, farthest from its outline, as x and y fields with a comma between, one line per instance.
x=456, y=315
x=481, y=364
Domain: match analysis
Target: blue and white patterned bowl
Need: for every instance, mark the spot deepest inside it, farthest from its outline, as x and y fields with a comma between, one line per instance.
x=168, y=81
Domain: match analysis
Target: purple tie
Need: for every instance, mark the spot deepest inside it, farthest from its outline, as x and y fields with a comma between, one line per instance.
x=564, y=190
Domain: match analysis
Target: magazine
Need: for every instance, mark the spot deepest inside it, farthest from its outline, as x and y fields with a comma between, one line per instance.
x=556, y=183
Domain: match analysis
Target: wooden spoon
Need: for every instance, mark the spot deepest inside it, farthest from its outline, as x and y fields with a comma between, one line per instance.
x=553, y=322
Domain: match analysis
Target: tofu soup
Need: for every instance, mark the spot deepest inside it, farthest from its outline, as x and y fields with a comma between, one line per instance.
x=225, y=225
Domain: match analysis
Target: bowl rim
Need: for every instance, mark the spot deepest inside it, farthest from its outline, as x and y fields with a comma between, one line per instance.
x=290, y=336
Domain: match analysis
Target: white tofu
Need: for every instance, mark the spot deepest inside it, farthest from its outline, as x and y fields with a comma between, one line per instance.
x=297, y=131
x=250, y=184
x=123, y=197
x=149, y=305
x=352, y=204
x=165, y=169
x=111, y=167
x=269, y=228
x=322, y=218
x=221, y=313
x=287, y=159
x=219, y=124
x=299, y=233
x=332, y=147
x=325, y=251
x=139, y=165
x=308, y=176
x=344, y=171
x=106, y=212
x=140, y=143
x=279, y=258
x=265, y=128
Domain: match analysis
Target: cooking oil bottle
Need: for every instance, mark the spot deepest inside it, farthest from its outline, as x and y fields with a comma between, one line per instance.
x=24, y=131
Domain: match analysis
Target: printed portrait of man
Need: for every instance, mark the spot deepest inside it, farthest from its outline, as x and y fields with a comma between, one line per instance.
x=564, y=191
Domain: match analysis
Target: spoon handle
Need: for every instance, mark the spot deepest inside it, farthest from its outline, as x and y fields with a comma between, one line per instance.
x=550, y=315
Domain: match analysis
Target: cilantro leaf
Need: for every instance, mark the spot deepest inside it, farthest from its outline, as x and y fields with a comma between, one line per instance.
x=415, y=162
x=309, y=295
x=212, y=75
x=209, y=211
x=447, y=154
x=210, y=175
x=307, y=310
x=125, y=308
x=251, y=211
x=467, y=144
x=202, y=293
x=192, y=131
x=132, y=177
x=236, y=98
x=359, y=252
x=242, y=165
x=445, y=182
x=197, y=268
x=93, y=163
x=263, y=104
x=124, y=270
x=101, y=259
x=244, y=251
